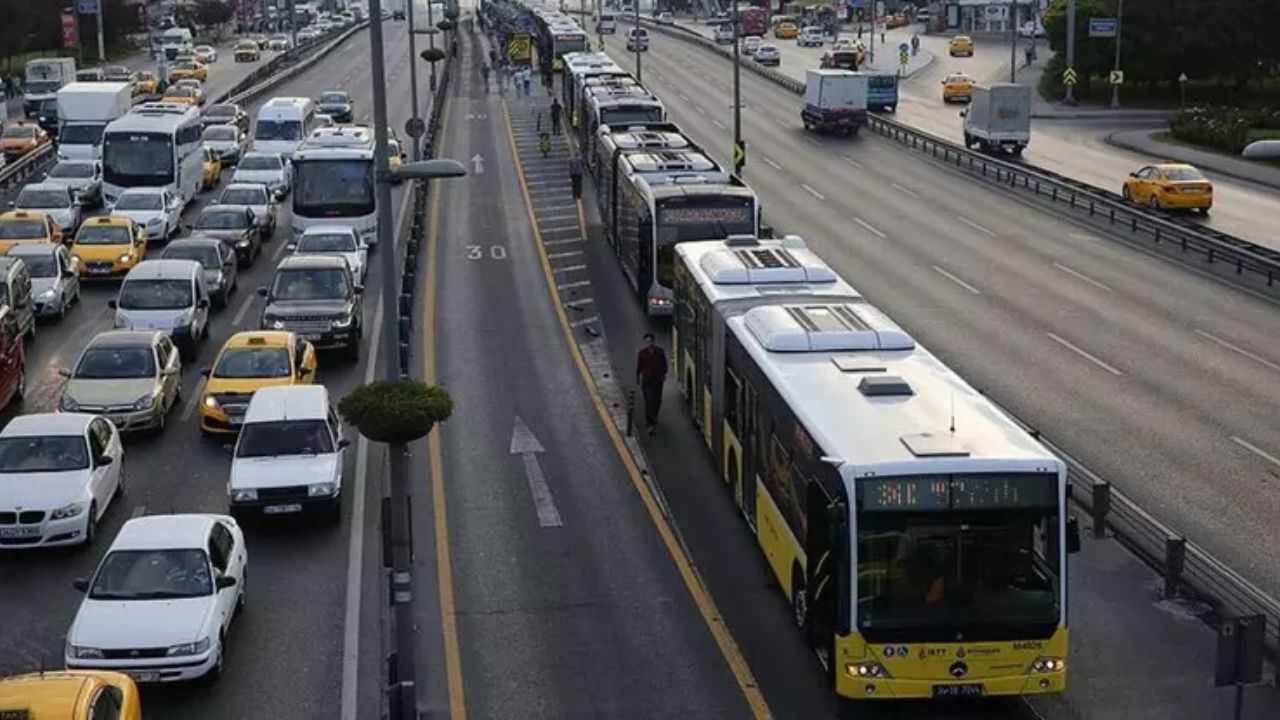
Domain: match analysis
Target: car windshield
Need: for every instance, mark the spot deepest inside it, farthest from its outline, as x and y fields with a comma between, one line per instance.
x=41, y=266
x=45, y=453
x=327, y=243
x=285, y=437
x=253, y=362
x=219, y=133
x=155, y=294
x=103, y=235
x=18, y=132
x=278, y=130
x=333, y=98
x=222, y=220
x=139, y=201
x=21, y=229
x=116, y=362
x=30, y=198
x=244, y=196
x=179, y=91
x=206, y=255
x=72, y=170
x=311, y=284
x=220, y=111
x=1183, y=173
x=259, y=163
x=152, y=575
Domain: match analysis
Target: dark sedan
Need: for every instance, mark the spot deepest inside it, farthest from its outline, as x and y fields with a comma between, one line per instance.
x=226, y=114
x=337, y=105
x=236, y=227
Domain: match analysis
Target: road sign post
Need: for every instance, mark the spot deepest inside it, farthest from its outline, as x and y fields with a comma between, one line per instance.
x=1069, y=98
x=1116, y=82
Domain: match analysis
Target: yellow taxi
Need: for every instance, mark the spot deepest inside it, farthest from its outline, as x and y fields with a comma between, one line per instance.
x=145, y=82
x=960, y=45
x=957, y=86
x=212, y=169
x=70, y=695
x=181, y=95
x=21, y=137
x=397, y=153
x=24, y=227
x=247, y=51
x=185, y=70
x=249, y=361
x=109, y=247
x=1170, y=186
x=786, y=31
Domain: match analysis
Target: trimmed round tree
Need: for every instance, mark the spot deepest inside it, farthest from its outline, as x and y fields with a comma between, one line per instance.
x=390, y=411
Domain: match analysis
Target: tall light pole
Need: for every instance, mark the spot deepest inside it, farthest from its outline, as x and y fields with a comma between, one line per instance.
x=1070, y=98
x=1013, y=41
x=635, y=6
x=739, y=156
x=431, y=40
x=1115, y=86
x=413, y=76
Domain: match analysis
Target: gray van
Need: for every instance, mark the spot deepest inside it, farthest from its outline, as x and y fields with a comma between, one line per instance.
x=166, y=295
x=15, y=291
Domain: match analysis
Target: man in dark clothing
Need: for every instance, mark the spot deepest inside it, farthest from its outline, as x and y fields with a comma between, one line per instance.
x=575, y=175
x=651, y=372
x=555, y=116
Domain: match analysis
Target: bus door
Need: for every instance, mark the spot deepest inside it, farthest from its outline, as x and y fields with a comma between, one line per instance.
x=644, y=256
x=826, y=548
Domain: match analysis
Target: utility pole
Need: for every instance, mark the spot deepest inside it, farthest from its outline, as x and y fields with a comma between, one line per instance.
x=413, y=76
x=1115, y=86
x=1013, y=41
x=1070, y=97
x=635, y=7
x=737, y=93
x=102, y=53
x=293, y=22
x=431, y=42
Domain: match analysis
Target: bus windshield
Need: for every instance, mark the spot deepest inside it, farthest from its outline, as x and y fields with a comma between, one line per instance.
x=288, y=130
x=333, y=188
x=630, y=114
x=131, y=159
x=706, y=217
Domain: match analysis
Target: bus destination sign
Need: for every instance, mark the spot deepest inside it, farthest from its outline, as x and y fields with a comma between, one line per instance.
x=957, y=492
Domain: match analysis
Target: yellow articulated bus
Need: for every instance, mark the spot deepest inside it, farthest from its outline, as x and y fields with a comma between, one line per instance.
x=920, y=535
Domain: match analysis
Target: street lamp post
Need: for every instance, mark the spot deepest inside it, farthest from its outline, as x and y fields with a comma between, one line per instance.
x=1013, y=41
x=431, y=41
x=635, y=6
x=1115, y=86
x=413, y=75
x=1070, y=98
x=737, y=92
x=1182, y=91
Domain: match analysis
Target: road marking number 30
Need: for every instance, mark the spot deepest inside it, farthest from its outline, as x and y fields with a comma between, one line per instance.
x=477, y=252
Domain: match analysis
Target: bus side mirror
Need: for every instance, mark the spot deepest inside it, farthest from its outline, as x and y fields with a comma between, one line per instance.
x=1073, y=535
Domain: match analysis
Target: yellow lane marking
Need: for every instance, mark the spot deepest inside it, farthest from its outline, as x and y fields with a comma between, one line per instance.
x=444, y=569
x=697, y=589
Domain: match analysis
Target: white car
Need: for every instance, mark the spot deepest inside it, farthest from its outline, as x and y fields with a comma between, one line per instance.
x=811, y=36
x=156, y=209
x=56, y=200
x=665, y=18
x=160, y=604
x=751, y=44
x=59, y=473
x=226, y=140
x=638, y=39
x=270, y=169
x=724, y=34
x=206, y=54
x=768, y=54
x=341, y=240
x=82, y=177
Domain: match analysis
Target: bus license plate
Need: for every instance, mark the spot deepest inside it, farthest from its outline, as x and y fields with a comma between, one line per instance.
x=282, y=509
x=970, y=690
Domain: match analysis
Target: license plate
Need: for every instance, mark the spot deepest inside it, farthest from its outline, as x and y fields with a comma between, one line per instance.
x=970, y=690
x=311, y=336
x=282, y=509
x=99, y=270
x=19, y=532
x=145, y=677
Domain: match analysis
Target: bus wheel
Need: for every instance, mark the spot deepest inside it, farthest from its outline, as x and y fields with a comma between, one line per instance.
x=799, y=599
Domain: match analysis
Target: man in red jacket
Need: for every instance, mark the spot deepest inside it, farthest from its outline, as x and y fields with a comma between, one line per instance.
x=651, y=372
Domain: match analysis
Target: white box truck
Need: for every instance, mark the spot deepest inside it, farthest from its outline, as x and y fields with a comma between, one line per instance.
x=84, y=109
x=835, y=100
x=44, y=78
x=998, y=118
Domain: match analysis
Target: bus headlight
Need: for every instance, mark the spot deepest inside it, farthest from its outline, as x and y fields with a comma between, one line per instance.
x=1047, y=665
x=866, y=670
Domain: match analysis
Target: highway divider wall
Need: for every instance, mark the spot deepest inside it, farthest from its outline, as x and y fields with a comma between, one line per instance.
x=1188, y=569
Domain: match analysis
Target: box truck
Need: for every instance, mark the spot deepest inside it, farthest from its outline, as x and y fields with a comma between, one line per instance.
x=835, y=100
x=84, y=109
x=998, y=118
x=44, y=78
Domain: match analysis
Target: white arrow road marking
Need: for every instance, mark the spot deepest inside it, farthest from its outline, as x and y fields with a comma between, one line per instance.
x=524, y=444
x=477, y=161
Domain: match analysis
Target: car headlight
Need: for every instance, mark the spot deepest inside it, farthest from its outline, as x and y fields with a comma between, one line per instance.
x=242, y=243
x=48, y=294
x=194, y=648
x=277, y=324
x=83, y=653
x=68, y=511
x=146, y=402
x=246, y=495
x=154, y=221
x=125, y=258
x=342, y=322
x=324, y=489
x=211, y=402
x=67, y=404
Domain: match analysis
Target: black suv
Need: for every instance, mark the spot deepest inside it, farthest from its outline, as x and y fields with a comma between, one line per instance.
x=316, y=297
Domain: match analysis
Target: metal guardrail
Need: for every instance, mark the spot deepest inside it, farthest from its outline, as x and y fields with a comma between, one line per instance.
x=1165, y=233
x=17, y=171
x=1189, y=570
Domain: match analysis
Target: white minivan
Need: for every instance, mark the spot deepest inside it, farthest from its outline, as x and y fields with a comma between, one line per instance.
x=282, y=124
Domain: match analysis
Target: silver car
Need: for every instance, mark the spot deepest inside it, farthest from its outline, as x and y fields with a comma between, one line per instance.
x=55, y=200
x=226, y=140
x=270, y=169
x=221, y=271
x=130, y=376
x=257, y=198
x=82, y=177
x=55, y=277
x=340, y=240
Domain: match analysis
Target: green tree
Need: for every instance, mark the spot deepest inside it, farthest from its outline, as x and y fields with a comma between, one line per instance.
x=211, y=13
x=396, y=411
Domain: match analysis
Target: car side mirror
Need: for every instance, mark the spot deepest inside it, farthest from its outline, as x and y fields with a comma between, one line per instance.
x=343, y=443
x=103, y=460
x=1073, y=535
x=1132, y=175
x=68, y=274
x=262, y=291
x=202, y=303
x=358, y=288
x=112, y=304
x=226, y=581
x=81, y=584
x=291, y=246
x=188, y=227
x=64, y=372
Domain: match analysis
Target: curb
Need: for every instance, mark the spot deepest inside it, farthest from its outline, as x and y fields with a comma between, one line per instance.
x=1103, y=115
x=1114, y=141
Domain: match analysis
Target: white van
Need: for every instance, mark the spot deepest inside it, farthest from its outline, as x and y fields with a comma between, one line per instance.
x=290, y=455
x=282, y=124
x=165, y=295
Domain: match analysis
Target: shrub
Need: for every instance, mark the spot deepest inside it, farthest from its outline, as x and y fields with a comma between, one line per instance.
x=396, y=411
x=1223, y=128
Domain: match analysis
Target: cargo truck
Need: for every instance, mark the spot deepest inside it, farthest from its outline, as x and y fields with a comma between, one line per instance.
x=84, y=109
x=835, y=100
x=44, y=78
x=998, y=118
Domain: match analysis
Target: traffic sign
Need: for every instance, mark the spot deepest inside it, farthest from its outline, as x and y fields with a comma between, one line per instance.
x=1117, y=77
x=519, y=48
x=1069, y=76
x=87, y=7
x=904, y=59
x=739, y=154
x=904, y=48
x=1102, y=27
x=415, y=128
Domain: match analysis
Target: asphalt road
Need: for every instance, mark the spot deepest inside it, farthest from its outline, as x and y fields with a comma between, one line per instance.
x=1076, y=148
x=1161, y=380
x=566, y=602
x=285, y=654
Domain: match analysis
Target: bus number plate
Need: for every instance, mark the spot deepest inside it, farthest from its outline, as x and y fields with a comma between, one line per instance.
x=971, y=690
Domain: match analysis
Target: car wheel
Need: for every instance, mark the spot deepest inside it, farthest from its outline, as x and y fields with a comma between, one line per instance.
x=90, y=526
x=242, y=599
x=120, y=484
x=215, y=672
x=1154, y=202
x=20, y=391
x=1125, y=193
x=31, y=331
x=353, y=352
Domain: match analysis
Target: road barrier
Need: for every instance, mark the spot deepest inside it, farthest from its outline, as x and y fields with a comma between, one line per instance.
x=1188, y=569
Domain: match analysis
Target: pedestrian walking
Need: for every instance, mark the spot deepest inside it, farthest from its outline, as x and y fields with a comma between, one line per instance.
x=484, y=75
x=915, y=44
x=1029, y=53
x=651, y=373
x=575, y=174
x=526, y=79
x=544, y=144
x=555, y=116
